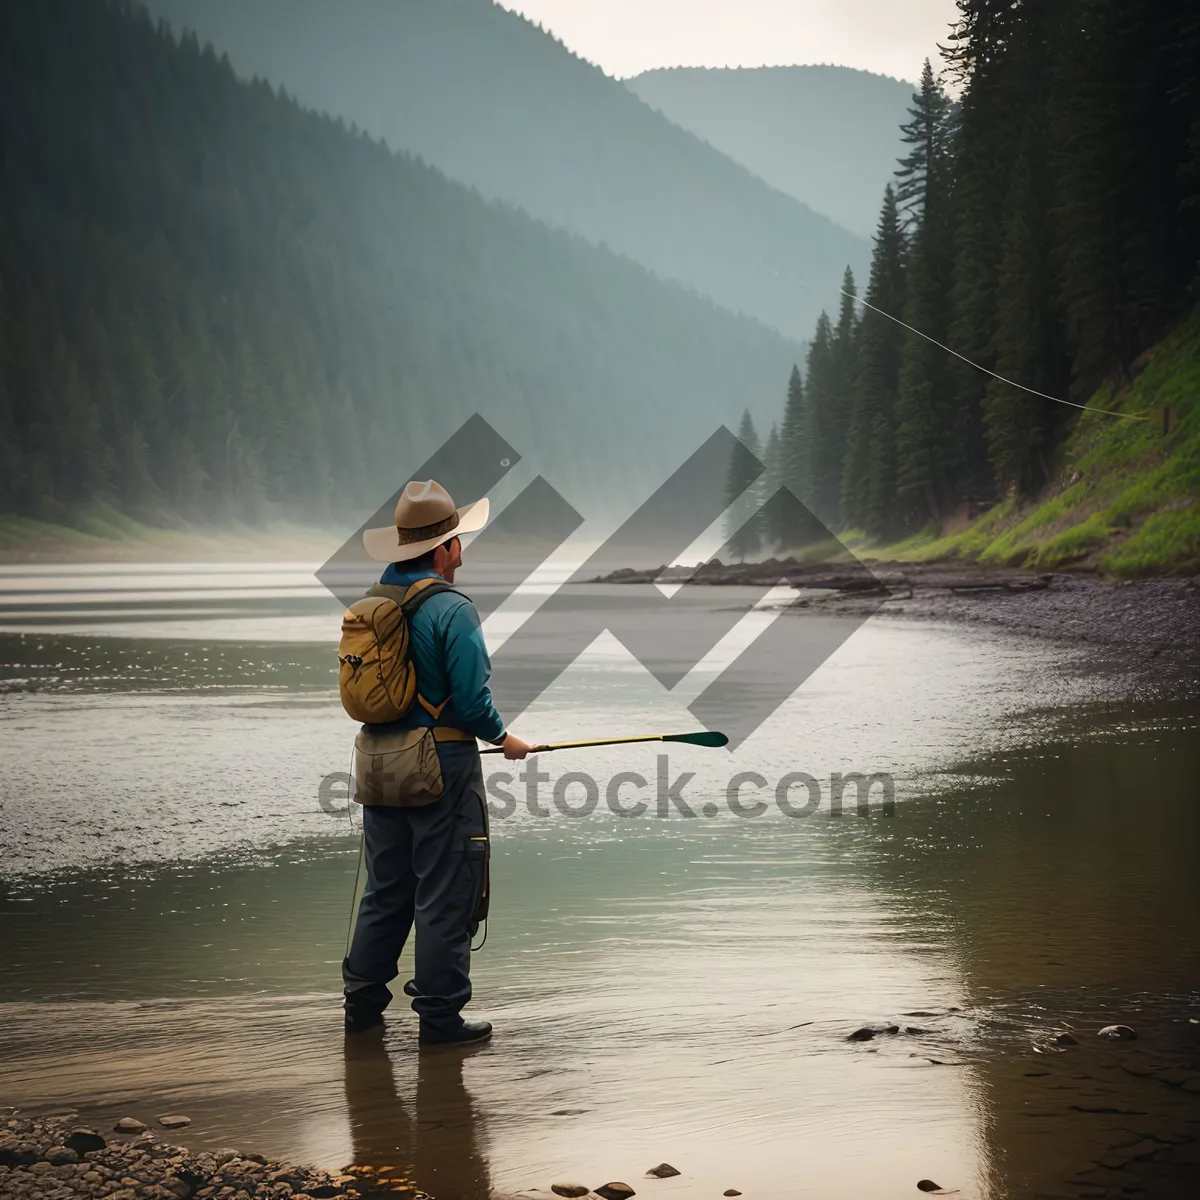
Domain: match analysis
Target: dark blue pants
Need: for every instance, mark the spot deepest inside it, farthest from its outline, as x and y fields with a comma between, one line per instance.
x=425, y=867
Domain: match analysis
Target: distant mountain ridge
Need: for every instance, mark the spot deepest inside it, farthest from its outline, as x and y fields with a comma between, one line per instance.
x=496, y=103
x=829, y=136
x=216, y=305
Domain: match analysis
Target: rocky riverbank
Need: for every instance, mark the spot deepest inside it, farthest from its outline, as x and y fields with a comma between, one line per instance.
x=1150, y=617
x=55, y=1157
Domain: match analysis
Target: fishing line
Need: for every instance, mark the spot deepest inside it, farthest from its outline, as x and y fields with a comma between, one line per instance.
x=1107, y=412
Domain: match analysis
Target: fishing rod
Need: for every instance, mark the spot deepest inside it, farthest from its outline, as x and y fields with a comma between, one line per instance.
x=703, y=738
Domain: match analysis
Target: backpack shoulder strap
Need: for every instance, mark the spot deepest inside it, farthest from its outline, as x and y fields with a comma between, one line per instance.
x=411, y=598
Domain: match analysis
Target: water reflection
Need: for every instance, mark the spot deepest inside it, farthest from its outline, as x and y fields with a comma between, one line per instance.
x=433, y=1141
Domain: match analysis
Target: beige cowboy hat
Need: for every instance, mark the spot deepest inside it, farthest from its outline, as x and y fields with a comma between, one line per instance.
x=425, y=518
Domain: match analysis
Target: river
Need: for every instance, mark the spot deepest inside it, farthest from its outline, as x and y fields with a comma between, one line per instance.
x=176, y=884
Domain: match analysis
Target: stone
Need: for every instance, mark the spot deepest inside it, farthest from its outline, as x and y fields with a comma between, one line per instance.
x=84, y=1141
x=129, y=1125
x=1065, y=1039
x=867, y=1032
x=731, y=1192
x=570, y=1189
x=1117, y=1033
x=615, y=1191
x=663, y=1171
x=14, y=1152
x=174, y=1121
x=58, y=1156
x=927, y=1185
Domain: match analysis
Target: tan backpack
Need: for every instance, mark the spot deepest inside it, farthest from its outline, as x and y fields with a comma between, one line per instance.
x=376, y=677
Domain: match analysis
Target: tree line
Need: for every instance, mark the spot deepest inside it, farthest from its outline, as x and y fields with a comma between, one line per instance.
x=1045, y=226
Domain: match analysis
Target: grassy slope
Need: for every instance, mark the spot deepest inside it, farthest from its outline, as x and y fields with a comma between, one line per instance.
x=1125, y=499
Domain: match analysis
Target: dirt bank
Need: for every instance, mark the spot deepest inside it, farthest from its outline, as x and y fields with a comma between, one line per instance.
x=1149, y=617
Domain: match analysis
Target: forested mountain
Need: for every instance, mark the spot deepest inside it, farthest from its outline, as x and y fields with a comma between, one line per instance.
x=827, y=135
x=215, y=303
x=496, y=103
x=1047, y=228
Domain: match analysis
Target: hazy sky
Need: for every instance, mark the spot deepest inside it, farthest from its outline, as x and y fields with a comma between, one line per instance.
x=891, y=37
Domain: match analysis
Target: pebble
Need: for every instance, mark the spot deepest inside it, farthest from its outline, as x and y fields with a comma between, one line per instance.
x=570, y=1189
x=1118, y=1033
x=867, y=1032
x=129, y=1125
x=1065, y=1039
x=663, y=1171
x=731, y=1192
x=615, y=1191
x=174, y=1121
x=84, y=1141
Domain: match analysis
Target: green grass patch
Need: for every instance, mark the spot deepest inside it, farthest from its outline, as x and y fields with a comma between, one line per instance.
x=1125, y=496
x=1165, y=542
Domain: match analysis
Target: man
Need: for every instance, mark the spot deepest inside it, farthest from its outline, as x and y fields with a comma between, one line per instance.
x=426, y=864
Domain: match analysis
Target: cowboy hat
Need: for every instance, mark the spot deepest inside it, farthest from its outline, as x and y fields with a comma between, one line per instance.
x=425, y=518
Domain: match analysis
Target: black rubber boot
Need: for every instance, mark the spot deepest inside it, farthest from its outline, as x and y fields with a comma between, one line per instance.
x=362, y=1017
x=466, y=1034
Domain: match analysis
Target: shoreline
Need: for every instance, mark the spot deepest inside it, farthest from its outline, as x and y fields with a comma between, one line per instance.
x=1152, y=617
x=54, y=545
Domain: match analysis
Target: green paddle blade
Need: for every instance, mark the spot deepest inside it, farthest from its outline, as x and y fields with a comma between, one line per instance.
x=704, y=738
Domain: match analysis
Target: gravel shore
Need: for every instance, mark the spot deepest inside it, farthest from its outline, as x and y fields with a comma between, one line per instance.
x=56, y=1158
x=1141, y=618
x=1152, y=617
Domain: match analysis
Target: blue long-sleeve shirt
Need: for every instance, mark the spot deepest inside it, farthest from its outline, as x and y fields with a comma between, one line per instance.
x=447, y=648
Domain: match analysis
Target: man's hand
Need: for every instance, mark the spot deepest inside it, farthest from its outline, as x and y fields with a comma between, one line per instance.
x=514, y=747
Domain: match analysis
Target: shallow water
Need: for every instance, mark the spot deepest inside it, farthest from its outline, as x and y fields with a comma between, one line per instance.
x=175, y=908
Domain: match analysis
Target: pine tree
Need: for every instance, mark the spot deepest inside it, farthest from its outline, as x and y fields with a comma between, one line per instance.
x=815, y=436
x=928, y=454
x=743, y=495
x=1028, y=339
x=834, y=419
x=792, y=449
x=774, y=528
x=923, y=180
x=868, y=478
x=981, y=63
